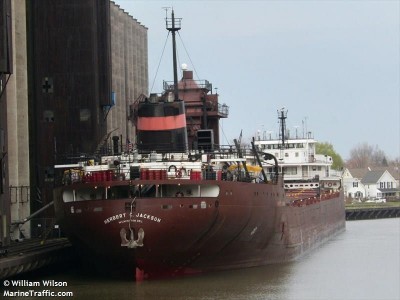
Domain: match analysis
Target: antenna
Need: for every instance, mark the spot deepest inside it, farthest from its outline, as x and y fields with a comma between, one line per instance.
x=166, y=8
x=305, y=128
x=269, y=134
x=296, y=127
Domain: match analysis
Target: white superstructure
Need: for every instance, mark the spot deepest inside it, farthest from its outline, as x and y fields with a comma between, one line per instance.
x=297, y=160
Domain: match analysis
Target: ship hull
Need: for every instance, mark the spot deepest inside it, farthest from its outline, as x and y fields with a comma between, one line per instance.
x=245, y=225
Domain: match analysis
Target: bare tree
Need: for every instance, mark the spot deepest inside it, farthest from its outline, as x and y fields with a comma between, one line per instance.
x=365, y=155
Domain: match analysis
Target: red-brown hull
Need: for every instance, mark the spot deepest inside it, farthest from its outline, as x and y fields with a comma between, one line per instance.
x=246, y=225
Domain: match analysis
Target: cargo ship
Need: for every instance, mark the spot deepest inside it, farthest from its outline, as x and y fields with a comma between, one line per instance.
x=177, y=202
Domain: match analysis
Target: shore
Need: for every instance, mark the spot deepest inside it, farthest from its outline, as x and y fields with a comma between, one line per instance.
x=372, y=205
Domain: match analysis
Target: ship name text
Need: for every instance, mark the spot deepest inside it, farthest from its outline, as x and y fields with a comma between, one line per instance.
x=149, y=217
x=114, y=218
x=131, y=216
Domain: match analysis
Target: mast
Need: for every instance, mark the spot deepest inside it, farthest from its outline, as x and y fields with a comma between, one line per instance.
x=282, y=115
x=174, y=25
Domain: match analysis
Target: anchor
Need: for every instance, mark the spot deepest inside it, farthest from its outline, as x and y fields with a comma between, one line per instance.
x=131, y=243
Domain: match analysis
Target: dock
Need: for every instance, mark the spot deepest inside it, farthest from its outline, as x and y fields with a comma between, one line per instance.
x=32, y=254
x=365, y=213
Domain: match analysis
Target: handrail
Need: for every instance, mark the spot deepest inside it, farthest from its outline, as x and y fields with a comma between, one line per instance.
x=202, y=84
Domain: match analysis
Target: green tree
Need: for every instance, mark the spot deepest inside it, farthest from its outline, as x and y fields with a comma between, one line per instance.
x=327, y=149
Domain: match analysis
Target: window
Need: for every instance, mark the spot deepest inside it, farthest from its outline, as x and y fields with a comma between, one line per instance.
x=48, y=116
x=355, y=184
x=290, y=170
x=84, y=115
x=49, y=174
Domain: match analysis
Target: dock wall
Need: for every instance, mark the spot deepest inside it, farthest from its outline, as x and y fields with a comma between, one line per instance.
x=372, y=213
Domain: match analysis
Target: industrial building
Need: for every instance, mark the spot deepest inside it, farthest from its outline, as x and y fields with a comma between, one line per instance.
x=69, y=72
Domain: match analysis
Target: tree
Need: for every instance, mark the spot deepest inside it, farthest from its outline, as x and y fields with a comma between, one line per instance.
x=365, y=155
x=327, y=149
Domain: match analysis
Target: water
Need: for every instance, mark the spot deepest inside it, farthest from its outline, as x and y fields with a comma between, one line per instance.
x=361, y=263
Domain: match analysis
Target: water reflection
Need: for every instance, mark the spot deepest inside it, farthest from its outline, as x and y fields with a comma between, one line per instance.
x=361, y=263
x=254, y=283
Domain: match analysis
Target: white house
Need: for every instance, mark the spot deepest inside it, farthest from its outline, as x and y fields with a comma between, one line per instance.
x=366, y=183
x=379, y=184
x=353, y=188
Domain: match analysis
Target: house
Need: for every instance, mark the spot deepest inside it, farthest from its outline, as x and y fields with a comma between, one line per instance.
x=367, y=183
x=353, y=188
x=379, y=184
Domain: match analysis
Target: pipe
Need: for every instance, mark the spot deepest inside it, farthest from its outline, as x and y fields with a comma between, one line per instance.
x=19, y=222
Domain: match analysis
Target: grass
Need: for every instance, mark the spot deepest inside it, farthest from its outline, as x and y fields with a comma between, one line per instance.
x=372, y=205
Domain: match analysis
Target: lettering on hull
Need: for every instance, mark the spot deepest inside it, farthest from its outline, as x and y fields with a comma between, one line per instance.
x=148, y=217
x=123, y=233
x=138, y=218
x=114, y=218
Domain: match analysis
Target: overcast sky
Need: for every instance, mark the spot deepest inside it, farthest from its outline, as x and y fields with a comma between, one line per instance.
x=334, y=65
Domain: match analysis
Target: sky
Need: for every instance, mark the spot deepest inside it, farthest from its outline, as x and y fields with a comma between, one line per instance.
x=333, y=65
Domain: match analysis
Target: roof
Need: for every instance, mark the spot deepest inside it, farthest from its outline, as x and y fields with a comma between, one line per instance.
x=372, y=176
x=361, y=172
x=358, y=173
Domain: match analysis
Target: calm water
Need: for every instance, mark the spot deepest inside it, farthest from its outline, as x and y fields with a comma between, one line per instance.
x=361, y=263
